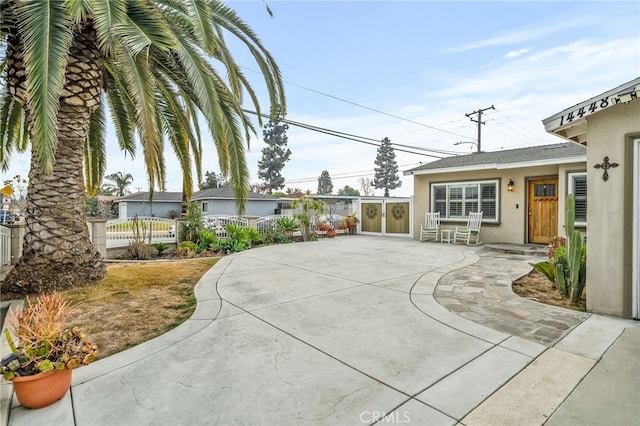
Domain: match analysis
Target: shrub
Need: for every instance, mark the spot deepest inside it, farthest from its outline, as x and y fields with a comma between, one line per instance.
x=160, y=247
x=186, y=249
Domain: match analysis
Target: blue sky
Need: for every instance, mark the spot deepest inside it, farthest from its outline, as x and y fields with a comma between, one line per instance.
x=429, y=63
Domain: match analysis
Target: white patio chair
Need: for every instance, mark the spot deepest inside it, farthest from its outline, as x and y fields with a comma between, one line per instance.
x=430, y=227
x=469, y=234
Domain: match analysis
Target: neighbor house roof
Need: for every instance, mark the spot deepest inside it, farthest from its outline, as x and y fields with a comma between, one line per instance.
x=158, y=197
x=511, y=158
x=227, y=194
x=176, y=197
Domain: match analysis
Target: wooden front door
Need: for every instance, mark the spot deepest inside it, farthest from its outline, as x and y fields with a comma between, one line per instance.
x=543, y=210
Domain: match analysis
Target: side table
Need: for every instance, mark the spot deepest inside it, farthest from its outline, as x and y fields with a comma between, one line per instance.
x=445, y=236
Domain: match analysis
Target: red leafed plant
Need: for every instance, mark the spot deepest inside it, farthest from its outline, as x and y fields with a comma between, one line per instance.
x=44, y=344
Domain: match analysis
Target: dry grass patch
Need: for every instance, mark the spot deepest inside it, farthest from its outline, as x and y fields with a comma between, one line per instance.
x=535, y=286
x=136, y=302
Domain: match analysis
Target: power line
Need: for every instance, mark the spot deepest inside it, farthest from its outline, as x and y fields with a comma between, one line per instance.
x=365, y=107
x=345, y=175
x=359, y=139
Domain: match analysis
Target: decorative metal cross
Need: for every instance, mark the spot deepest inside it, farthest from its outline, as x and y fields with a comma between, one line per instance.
x=606, y=165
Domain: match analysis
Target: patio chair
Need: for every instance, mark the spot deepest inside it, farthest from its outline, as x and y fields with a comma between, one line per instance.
x=469, y=234
x=431, y=226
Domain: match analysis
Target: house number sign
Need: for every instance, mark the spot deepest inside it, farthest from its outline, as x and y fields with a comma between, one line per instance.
x=606, y=165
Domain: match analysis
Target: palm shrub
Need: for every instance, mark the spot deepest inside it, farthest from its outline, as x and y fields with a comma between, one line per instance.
x=206, y=237
x=287, y=225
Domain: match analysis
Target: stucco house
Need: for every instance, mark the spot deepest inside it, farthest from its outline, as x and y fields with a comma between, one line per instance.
x=608, y=125
x=521, y=192
x=213, y=201
x=221, y=201
x=141, y=204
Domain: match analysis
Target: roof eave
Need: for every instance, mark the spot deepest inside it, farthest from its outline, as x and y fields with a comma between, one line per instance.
x=500, y=166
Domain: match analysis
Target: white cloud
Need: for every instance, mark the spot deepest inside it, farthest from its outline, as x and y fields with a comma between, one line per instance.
x=516, y=53
x=527, y=33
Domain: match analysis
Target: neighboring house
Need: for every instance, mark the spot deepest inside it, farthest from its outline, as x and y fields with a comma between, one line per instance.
x=609, y=126
x=221, y=201
x=141, y=204
x=521, y=192
x=214, y=201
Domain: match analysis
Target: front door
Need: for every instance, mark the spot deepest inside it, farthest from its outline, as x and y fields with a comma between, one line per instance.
x=543, y=210
x=386, y=217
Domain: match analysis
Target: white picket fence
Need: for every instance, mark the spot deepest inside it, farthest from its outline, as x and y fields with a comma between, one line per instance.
x=120, y=232
x=5, y=245
x=268, y=223
x=217, y=223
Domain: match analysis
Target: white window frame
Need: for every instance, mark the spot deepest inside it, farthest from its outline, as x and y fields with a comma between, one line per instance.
x=446, y=217
x=205, y=207
x=571, y=185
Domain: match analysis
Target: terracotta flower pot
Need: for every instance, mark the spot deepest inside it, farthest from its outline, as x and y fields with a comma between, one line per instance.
x=331, y=233
x=42, y=389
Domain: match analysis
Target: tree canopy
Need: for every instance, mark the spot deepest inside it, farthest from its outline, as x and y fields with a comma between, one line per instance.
x=347, y=190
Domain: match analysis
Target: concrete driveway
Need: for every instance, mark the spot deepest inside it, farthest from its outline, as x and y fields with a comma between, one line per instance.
x=339, y=331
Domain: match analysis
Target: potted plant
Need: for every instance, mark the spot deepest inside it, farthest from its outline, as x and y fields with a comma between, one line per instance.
x=351, y=221
x=40, y=365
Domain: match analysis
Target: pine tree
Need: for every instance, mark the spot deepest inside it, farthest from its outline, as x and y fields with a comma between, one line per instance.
x=386, y=168
x=325, y=186
x=275, y=154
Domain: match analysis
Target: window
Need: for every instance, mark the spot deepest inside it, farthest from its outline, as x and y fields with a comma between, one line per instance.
x=577, y=186
x=205, y=207
x=457, y=200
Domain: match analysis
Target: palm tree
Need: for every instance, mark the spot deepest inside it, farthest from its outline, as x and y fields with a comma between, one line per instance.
x=120, y=183
x=155, y=63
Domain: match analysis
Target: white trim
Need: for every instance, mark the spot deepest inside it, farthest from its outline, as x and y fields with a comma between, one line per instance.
x=444, y=216
x=571, y=186
x=549, y=162
x=635, y=261
x=496, y=166
x=556, y=123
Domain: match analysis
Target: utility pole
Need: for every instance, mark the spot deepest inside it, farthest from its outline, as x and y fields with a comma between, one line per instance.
x=479, y=121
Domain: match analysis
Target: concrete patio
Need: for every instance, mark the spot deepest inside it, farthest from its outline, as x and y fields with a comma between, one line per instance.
x=352, y=329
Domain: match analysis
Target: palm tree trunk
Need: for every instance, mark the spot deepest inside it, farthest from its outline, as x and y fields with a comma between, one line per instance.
x=57, y=251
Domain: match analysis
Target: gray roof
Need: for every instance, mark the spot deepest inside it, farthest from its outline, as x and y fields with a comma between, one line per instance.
x=158, y=197
x=227, y=194
x=569, y=151
x=210, y=193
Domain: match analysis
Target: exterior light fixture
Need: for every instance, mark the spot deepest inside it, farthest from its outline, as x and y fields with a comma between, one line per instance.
x=12, y=363
x=510, y=185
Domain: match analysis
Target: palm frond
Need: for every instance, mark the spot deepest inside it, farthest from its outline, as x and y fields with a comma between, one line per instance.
x=199, y=15
x=122, y=113
x=140, y=87
x=143, y=28
x=95, y=156
x=107, y=15
x=45, y=28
